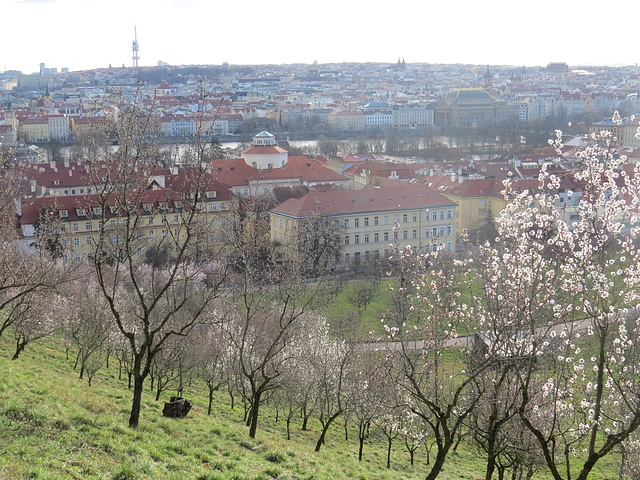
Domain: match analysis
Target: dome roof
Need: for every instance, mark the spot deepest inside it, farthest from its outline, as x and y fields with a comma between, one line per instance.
x=264, y=134
x=468, y=96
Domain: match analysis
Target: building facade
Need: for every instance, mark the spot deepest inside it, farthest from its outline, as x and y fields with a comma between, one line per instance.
x=370, y=221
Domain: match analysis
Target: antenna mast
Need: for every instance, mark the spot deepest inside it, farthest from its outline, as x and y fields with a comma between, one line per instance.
x=135, y=47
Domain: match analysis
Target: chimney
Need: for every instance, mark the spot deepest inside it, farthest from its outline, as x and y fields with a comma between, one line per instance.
x=66, y=163
x=70, y=173
x=52, y=164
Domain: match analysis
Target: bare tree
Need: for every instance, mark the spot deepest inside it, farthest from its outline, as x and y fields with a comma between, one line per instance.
x=150, y=303
x=427, y=314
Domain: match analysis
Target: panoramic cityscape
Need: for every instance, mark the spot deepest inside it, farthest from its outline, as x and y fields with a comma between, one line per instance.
x=393, y=253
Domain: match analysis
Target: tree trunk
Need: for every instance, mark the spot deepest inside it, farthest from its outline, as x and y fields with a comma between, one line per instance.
x=438, y=464
x=19, y=348
x=255, y=409
x=81, y=371
x=389, y=453
x=325, y=427
x=288, y=429
x=134, y=418
x=210, y=400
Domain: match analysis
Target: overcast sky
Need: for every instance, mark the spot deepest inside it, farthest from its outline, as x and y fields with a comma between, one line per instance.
x=86, y=34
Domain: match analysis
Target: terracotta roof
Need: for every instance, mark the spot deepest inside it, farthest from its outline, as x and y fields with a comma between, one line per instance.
x=31, y=210
x=306, y=169
x=264, y=150
x=363, y=201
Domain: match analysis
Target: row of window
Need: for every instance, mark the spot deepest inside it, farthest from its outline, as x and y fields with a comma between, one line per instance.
x=150, y=221
x=443, y=230
x=433, y=247
x=432, y=215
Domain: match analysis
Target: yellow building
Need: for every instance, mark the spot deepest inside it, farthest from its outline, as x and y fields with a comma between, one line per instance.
x=35, y=130
x=81, y=225
x=369, y=221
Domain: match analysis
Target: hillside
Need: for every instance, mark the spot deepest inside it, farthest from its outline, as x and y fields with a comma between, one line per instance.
x=55, y=426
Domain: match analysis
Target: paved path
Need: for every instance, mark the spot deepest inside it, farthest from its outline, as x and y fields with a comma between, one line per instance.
x=579, y=326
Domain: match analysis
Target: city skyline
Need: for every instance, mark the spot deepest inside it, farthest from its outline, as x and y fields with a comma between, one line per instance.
x=88, y=34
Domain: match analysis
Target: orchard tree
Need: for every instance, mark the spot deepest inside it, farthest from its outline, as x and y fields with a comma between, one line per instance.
x=150, y=303
x=428, y=311
x=578, y=380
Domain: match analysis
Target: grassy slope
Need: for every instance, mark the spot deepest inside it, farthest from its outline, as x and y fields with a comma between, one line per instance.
x=52, y=426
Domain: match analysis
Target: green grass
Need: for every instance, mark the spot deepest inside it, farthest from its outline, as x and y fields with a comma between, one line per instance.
x=54, y=426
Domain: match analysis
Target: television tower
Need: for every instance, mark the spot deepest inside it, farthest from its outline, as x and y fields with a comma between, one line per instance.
x=135, y=47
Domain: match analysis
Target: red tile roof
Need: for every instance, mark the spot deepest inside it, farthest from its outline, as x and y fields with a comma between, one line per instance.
x=363, y=201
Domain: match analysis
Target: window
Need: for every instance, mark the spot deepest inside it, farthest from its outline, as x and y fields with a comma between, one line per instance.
x=357, y=238
x=150, y=220
x=77, y=257
x=375, y=221
x=415, y=217
x=76, y=241
x=280, y=223
x=164, y=233
x=376, y=237
x=449, y=230
x=64, y=213
x=114, y=238
x=376, y=253
x=113, y=224
x=366, y=221
x=434, y=232
x=386, y=220
x=366, y=238
x=449, y=246
x=223, y=221
x=442, y=228
x=404, y=235
x=150, y=234
x=415, y=234
x=175, y=219
x=404, y=218
x=347, y=257
x=336, y=223
x=176, y=232
x=356, y=222
x=139, y=252
x=574, y=217
x=346, y=223
x=80, y=212
x=87, y=226
x=75, y=227
x=214, y=206
x=449, y=214
x=89, y=239
x=386, y=236
x=441, y=214
x=346, y=240
x=97, y=211
x=396, y=218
